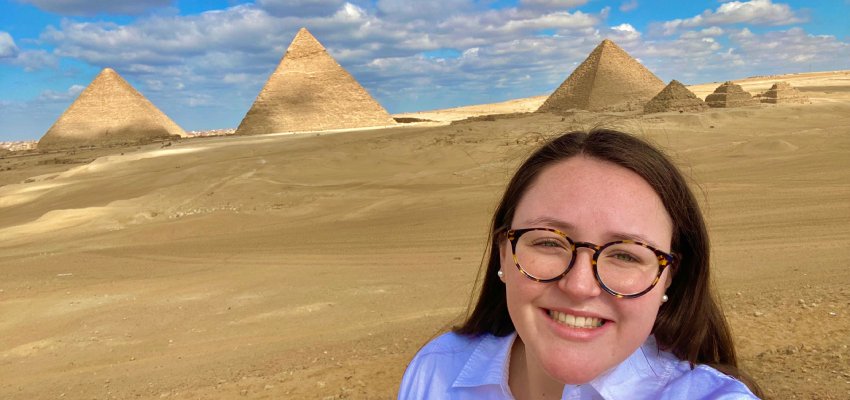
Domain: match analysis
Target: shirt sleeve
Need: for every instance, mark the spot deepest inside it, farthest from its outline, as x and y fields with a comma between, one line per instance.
x=433, y=371
x=429, y=374
x=415, y=383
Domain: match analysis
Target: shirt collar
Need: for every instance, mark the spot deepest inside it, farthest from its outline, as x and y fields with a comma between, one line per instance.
x=645, y=371
x=488, y=364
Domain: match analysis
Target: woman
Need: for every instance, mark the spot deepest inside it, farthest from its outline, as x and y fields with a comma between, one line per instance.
x=597, y=287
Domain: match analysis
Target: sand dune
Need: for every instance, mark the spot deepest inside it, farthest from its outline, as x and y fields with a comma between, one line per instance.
x=315, y=265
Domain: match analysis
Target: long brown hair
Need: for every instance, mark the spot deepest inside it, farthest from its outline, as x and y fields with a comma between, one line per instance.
x=690, y=324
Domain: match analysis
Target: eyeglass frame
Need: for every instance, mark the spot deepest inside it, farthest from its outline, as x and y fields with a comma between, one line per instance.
x=664, y=259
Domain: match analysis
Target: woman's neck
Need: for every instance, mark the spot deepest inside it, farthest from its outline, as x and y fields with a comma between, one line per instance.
x=526, y=377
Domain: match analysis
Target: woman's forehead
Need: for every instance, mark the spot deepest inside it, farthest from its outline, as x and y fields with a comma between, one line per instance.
x=582, y=191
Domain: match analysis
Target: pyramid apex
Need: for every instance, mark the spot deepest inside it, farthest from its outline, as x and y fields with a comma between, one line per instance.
x=304, y=34
x=304, y=43
x=107, y=71
x=607, y=43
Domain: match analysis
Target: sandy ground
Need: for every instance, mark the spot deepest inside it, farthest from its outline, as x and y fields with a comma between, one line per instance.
x=315, y=265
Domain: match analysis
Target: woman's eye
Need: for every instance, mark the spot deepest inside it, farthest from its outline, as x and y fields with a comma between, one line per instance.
x=549, y=243
x=624, y=257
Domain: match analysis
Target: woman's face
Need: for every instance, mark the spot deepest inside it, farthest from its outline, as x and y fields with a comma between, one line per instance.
x=591, y=201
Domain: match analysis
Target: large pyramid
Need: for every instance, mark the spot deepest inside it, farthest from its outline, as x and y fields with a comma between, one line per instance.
x=109, y=112
x=783, y=92
x=310, y=91
x=730, y=95
x=609, y=79
x=675, y=97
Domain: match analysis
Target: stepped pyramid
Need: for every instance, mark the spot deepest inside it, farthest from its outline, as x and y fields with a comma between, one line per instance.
x=310, y=91
x=609, y=79
x=730, y=95
x=109, y=112
x=783, y=92
x=675, y=97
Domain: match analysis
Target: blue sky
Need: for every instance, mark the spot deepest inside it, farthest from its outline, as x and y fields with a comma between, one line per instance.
x=203, y=62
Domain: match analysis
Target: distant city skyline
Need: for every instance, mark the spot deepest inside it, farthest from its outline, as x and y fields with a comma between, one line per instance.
x=204, y=62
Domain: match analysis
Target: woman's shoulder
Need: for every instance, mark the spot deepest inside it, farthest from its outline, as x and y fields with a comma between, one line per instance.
x=704, y=382
x=451, y=343
x=454, y=360
x=447, y=353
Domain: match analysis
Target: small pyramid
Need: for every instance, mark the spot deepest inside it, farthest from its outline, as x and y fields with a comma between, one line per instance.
x=730, y=95
x=783, y=92
x=310, y=91
x=675, y=97
x=609, y=79
x=109, y=112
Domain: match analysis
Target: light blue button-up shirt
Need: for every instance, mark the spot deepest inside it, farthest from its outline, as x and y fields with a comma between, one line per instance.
x=458, y=367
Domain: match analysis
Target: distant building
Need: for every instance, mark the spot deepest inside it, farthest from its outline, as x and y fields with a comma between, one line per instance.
x=21, y=145
x=783, y=92
x=675, y=97
x=729, y=95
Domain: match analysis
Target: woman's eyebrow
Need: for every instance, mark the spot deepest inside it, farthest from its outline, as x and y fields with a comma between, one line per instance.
x=552, y=222
x=635, y=237
x=567, y=227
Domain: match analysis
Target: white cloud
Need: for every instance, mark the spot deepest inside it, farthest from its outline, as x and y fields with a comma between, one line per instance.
x=790, y=49
x=697, y=56
x=167, y=40
x=197, y=100
x=94, y=7
x=236, y=78
x=8, y=49
x=507, y=24
x=756, y=12
x=552, y=4
x=703, y=33
x=70, y=94
x=712, y=31
x=624, y=32
x=403, y=10
x=32, y=60
x=300, y=8
x=629, y=5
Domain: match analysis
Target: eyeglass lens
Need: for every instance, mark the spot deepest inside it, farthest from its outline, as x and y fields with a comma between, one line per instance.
x=625, y=268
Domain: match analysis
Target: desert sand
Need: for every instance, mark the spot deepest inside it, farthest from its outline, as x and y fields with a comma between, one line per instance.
x=315, y=265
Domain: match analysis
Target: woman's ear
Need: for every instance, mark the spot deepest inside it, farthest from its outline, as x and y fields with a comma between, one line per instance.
x=671, y=273
x=504, y=255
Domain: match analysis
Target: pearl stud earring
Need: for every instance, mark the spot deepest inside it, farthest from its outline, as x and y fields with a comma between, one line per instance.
x=500, y=273
x=664, y=298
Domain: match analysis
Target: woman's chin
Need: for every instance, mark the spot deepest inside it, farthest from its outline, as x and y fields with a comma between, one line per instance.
x=557, y=371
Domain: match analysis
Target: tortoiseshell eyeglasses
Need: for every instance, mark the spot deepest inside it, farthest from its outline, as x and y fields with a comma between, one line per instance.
x=624, y=268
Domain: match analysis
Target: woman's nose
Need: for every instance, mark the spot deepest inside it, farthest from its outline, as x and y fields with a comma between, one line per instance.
x=580, y=283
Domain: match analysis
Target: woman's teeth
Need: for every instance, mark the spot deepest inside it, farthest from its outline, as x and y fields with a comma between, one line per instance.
x=574, y=321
